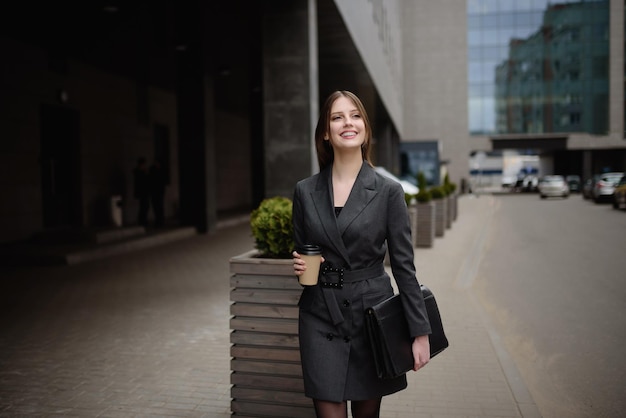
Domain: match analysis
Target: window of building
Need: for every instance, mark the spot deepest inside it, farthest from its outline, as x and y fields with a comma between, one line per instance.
x=555, y=52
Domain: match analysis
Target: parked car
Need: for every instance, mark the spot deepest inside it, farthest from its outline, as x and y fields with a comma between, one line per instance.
x=407, y=186
x=573, y=181
x=605, y=185
x=587, y=189
x=619, y=195
x=553, y=186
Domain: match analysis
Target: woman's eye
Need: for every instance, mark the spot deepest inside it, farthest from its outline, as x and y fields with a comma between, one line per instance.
x=356, y=116
x=336, y=117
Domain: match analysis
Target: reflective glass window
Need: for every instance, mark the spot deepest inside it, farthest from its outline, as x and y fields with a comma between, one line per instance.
x=506, y=20
x=529, y=58
x=489, y=21
x=474, y=38
x=490, y=37
x=473, y=22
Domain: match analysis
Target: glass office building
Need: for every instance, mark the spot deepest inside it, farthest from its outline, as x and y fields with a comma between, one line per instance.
x=538, y=66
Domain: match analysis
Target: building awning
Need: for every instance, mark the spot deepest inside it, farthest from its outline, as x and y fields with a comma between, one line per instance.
x=545, y=142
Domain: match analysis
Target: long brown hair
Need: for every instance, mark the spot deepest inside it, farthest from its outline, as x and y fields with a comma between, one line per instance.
x=325, y=153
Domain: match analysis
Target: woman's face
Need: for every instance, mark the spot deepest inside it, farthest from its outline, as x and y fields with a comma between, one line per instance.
x=347, y=128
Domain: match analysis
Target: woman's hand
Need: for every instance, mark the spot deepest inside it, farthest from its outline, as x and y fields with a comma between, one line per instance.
x=299, y=265
x=421, y=352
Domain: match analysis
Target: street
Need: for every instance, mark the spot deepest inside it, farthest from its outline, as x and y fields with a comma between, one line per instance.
x=551, y=276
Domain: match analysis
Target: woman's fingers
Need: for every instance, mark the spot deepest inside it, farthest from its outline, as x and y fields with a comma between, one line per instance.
x=299, y=265
x=421, y=352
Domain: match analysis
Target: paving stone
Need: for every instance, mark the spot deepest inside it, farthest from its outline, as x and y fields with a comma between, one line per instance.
x=146, y=334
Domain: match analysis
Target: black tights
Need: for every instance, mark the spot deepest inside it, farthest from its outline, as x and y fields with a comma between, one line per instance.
x=360, y=409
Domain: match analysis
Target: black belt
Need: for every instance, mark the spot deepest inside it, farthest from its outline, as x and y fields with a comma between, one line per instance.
x=347, y=276
x=343, y=276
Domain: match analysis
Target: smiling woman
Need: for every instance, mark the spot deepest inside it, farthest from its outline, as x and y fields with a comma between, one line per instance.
x=354, y=214
x=323, y=143
x=345, y=123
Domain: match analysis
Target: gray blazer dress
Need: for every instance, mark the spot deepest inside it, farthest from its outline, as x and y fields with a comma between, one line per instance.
x=337, y=362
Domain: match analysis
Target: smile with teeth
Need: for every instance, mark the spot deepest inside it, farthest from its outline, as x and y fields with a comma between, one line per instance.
x=348, y=134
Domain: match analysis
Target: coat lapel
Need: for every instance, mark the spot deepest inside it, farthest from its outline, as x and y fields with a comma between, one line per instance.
x=322, y=198
x=362, y=193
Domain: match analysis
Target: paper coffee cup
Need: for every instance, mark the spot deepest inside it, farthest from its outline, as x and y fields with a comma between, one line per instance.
x=311, y=254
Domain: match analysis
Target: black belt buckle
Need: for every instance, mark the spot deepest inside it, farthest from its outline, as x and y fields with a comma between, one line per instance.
x=328, y=270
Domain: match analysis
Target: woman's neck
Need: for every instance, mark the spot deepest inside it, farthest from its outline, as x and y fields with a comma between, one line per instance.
x=346, y=166
x=345, y=171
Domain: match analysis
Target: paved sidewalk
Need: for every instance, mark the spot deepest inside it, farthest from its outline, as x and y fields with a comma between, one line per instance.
x=147, y=334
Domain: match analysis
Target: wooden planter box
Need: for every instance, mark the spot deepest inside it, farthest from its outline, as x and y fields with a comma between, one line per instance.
x=425, y=225
x=450, y=214
x=455, y=206
x=266, y=373
x=413, y=221
x=441, y=215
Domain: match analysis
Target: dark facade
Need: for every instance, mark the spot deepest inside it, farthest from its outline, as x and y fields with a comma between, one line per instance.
x=219, y=92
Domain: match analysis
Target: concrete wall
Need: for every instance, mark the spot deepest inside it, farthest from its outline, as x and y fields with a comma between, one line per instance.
x=374, y=26
x=434, y=51
x=286, y=104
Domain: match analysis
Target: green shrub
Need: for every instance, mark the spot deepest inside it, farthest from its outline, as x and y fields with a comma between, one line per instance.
x=408, y=198
x=449, y=186
x=437, y=192
x=423, y=196
x=272, y=227
x=421, y=181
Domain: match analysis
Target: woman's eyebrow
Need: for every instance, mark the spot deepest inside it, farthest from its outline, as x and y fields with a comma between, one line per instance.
x=341, y=112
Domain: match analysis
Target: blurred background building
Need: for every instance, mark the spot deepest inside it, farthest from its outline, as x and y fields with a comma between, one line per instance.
x=225, y=95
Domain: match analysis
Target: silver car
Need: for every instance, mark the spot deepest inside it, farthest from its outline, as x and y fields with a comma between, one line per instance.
x=553, y=186
x=605, y=186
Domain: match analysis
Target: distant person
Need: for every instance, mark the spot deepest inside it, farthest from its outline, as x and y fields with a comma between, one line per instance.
x=464, y=188
x=141, y=190
x=157, y=192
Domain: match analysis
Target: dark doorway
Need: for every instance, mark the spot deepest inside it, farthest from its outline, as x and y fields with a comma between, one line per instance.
x=60, y=169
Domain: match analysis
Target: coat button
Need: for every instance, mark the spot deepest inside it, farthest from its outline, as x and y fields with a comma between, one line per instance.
x=346, y=303
x=347, y=339
x=329, y=336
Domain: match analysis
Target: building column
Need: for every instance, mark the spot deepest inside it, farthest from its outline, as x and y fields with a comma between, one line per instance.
x=587, y=165
x=616, y=70
x=288, y=84
x=195, y=112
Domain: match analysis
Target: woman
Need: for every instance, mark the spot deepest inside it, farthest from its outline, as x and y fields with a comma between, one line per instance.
x=355, y=215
